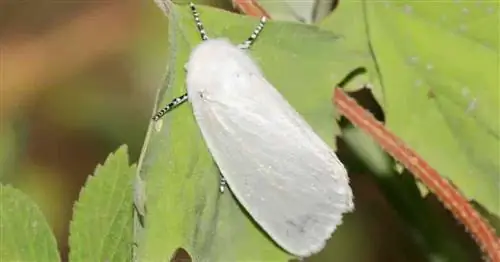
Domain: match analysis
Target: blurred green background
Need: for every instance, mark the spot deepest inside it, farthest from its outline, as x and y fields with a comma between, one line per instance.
x=78, y=79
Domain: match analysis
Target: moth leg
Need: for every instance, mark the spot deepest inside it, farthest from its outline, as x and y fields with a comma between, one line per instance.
x=140, y=215
x=222, y=184
x=247, y=43
x=177, y=101
x=198, y=22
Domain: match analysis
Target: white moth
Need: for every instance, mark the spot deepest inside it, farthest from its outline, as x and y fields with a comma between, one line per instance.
x=287, y=178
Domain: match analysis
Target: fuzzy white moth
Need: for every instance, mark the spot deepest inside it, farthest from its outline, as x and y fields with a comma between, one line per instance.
x=288, y=179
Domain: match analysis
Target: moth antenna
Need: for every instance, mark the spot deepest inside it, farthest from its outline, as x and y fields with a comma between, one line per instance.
x=198, y=22
x=247, y=43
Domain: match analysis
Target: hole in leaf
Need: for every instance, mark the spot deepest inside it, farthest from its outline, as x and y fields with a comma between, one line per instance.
x=365, y=99
x=180, y=255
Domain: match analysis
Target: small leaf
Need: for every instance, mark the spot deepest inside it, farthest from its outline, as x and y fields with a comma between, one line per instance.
x=368, y=151
x=24, y=233
x=295, y=11
x=305, y=11
x=101, y=229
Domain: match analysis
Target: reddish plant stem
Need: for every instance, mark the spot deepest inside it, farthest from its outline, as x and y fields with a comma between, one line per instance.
x=251, y=8
x=480, y=230
x=449, y=196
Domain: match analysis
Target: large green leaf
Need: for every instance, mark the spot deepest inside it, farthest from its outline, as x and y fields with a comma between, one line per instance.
x=24, y=232
x=101, y=229
x=354, y=35
x=184, y=206
x=440, y=71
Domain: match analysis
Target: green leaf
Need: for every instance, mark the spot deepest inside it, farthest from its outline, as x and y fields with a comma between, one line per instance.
x=24, y=233
x=305, y=11
x=439, y=68
x=368, y=151
x=353, y=32
x=10, y=150
x=101, y=229
x=184, y=206
x=302, y=11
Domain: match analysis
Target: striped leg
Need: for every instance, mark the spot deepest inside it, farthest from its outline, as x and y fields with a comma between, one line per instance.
x=247, y=43
x=222, y=184
x=179, y=100
x=197, y=20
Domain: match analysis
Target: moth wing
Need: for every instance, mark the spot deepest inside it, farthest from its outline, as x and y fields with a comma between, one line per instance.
x=286, y=177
